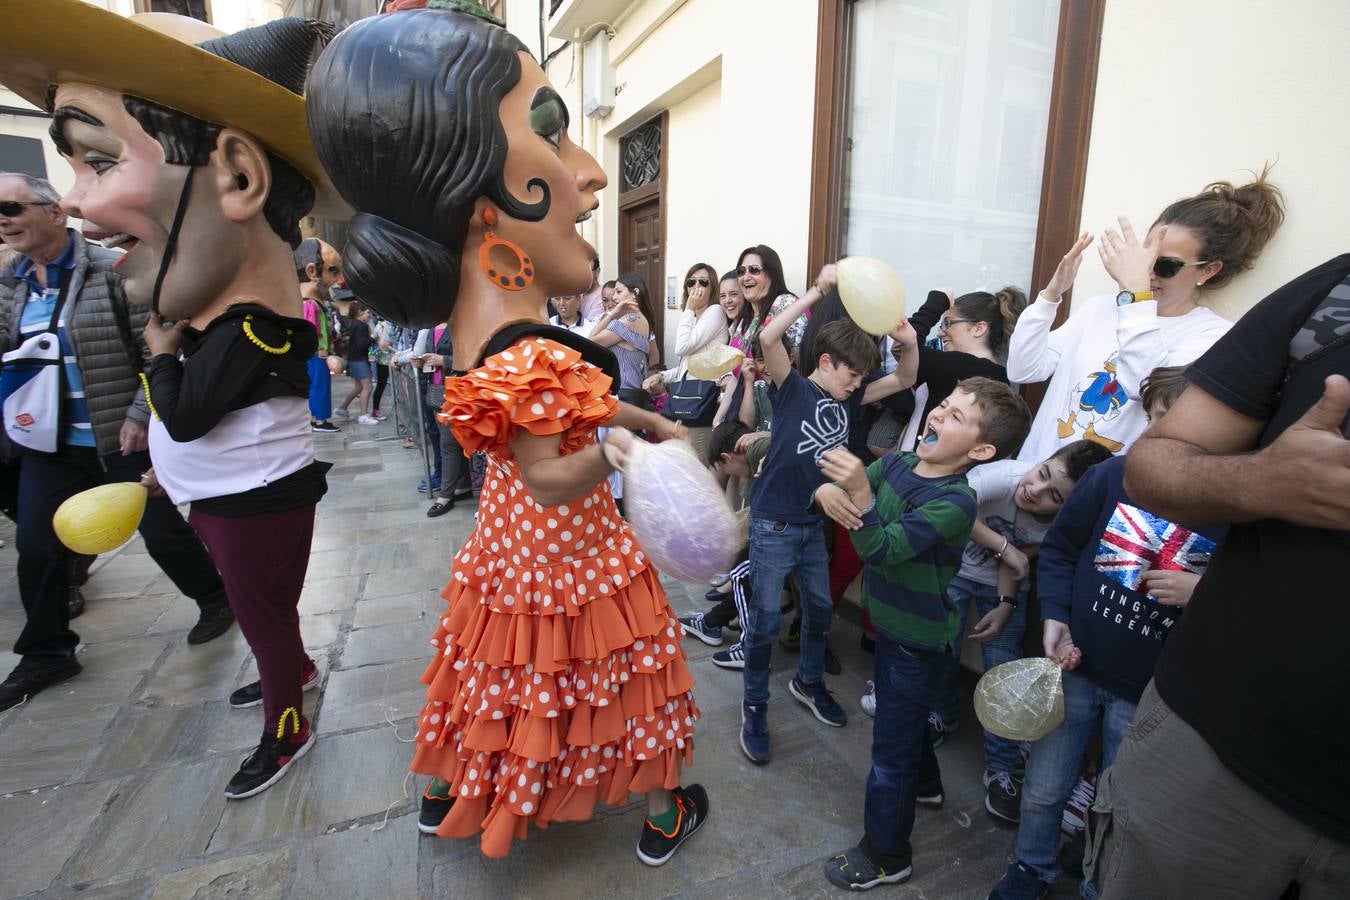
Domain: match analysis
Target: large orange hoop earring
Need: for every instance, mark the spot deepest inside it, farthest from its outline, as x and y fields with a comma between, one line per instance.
x=523, y=277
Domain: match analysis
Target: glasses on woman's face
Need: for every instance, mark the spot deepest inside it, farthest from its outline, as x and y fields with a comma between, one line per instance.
x=751, y=269
x=690, y=282
x=12, y=208
x=1169, y=266
x=945, y=323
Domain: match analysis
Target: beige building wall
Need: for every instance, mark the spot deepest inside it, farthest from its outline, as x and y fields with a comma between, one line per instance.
x=1189, y=93
x=738, y=79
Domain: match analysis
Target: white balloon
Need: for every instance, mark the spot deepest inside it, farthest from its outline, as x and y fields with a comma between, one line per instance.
x=680, y=515
x=711, y=363
x=872, y=293
x=1022, y=700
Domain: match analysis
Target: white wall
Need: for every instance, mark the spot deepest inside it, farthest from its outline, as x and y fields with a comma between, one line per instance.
x=1189, y=93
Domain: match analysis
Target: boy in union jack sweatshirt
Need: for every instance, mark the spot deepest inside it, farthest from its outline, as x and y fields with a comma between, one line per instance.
x=1113, y=579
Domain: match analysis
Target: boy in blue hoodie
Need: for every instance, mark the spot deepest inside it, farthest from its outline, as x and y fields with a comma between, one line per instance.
x=1113, y=579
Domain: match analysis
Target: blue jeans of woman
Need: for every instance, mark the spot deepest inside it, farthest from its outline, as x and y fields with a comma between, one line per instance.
x=778, y=549
x=907, y=681
x=1055, y=763
x=1000, y=754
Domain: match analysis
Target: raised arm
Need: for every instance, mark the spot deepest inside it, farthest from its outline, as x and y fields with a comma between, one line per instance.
x=776, y=360
x=906, y=353
x=1034, y=350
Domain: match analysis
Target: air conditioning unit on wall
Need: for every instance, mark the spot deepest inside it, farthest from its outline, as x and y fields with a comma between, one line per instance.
x=598, y=77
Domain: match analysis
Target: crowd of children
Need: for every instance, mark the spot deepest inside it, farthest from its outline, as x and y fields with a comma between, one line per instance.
x=949, y=534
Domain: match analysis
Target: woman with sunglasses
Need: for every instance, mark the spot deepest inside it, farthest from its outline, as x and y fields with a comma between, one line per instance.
x=1097, y=359
x=703, y=324
x=763, y=287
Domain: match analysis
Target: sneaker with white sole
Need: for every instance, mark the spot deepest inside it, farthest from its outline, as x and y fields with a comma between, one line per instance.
x=817, y=698
x=270, y=762
x=1074, y=819
x=367, y=420
x=695, y=625
x=251, y=694
x=731, y=658
x=1003, y=796
x=432, y=811
x=655, y=847
x=868, y=701
x=341, y=413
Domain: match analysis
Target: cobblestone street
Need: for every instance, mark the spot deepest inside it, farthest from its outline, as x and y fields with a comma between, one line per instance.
x=111, y=783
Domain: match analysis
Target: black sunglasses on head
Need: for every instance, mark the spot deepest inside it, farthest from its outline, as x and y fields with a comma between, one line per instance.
x=1168, y=266
x=752, y=269
x=690, y=282
x=15, y=208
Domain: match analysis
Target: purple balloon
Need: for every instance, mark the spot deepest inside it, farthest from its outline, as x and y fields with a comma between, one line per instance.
x=680, y=515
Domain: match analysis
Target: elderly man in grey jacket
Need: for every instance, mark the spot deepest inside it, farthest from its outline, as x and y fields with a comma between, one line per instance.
x=55, y=273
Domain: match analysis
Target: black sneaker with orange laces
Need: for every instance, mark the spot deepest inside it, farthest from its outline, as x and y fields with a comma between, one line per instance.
x=655, y=847
x=270, y=762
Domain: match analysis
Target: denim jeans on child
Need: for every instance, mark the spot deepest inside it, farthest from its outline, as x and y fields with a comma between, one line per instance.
x=1055, y=763
x=902, y=749
x=778, y=549
x=1000, y=754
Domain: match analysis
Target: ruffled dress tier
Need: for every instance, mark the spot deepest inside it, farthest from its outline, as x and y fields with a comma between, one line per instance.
x=558, y=679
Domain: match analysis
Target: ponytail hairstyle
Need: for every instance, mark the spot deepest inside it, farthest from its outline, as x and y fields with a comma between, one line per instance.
x=638, y=285
x=998, y=311
x=404, y=112
x=1232, y=223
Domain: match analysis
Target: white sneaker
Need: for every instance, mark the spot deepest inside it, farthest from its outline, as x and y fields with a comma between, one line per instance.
x=868, y=701
x=367, y=420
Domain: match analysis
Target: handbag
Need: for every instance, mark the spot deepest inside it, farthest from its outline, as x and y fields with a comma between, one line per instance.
x=692, y=401
x=30, y=388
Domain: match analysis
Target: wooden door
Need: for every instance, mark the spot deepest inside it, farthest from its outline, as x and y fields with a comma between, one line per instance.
x=642, y=251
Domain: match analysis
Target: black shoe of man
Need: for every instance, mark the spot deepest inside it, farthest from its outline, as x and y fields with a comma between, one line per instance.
x=212, y=624
x=29, y=678
x=74, y=604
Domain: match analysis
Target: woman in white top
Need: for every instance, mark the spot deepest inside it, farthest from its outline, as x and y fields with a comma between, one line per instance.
x=1097, y=359
x=703, y=323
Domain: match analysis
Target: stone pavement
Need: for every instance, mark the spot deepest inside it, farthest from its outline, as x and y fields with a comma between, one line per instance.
x=111, y=784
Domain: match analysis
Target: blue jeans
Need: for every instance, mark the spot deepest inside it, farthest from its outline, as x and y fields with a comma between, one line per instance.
x=1055, y=763
x=907, y=683
x=1000, y=754
x=320, y=389
x=778, y=549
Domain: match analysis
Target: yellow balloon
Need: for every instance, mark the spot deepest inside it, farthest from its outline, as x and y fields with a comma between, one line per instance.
x=713, y=362
x=872, y=293
x=102, y=518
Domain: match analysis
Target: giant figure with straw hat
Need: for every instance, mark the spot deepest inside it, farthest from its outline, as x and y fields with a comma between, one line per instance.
x=191, y=153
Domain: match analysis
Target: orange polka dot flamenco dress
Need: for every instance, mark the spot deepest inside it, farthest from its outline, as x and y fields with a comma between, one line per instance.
x=558, y=679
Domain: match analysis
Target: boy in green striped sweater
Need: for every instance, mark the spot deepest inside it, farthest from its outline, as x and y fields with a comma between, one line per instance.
x=916, y=511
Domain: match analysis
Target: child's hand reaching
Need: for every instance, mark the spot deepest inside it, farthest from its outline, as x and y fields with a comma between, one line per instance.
x=1017, y=562
x=991, y=624
x=845, y=470
x=1059, y=646
x=1169, y=586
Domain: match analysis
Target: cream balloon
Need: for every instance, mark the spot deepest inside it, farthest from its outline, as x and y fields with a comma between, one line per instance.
x=681, y=517
x=102, y=518
x=711, y=363
x=872, y=293
x=1022, y=700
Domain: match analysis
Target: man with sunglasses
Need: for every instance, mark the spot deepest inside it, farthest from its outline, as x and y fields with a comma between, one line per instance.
x=319, y=268
x=56, y=276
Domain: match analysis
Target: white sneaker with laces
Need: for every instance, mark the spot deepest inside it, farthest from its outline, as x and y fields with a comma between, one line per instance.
x=1074, y=819
x=367, y=420
x=868, y=701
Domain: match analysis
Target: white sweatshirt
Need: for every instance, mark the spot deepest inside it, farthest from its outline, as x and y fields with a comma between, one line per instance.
x=1096, y=362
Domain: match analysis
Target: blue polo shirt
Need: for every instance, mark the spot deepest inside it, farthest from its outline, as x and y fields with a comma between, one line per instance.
x=36, y=318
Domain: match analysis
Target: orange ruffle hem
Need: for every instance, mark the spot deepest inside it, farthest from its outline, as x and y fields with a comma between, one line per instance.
x=558, y=681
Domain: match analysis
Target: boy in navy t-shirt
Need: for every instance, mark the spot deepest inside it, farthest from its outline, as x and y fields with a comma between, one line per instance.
x=810, y=416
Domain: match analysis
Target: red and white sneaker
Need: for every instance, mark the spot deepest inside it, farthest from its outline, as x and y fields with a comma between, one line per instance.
x=1075, y=811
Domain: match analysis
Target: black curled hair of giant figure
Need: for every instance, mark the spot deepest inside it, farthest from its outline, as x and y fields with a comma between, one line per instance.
x=404, y=110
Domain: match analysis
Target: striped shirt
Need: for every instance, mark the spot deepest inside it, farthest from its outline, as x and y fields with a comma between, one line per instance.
x=37, y=318
x=911, y=543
